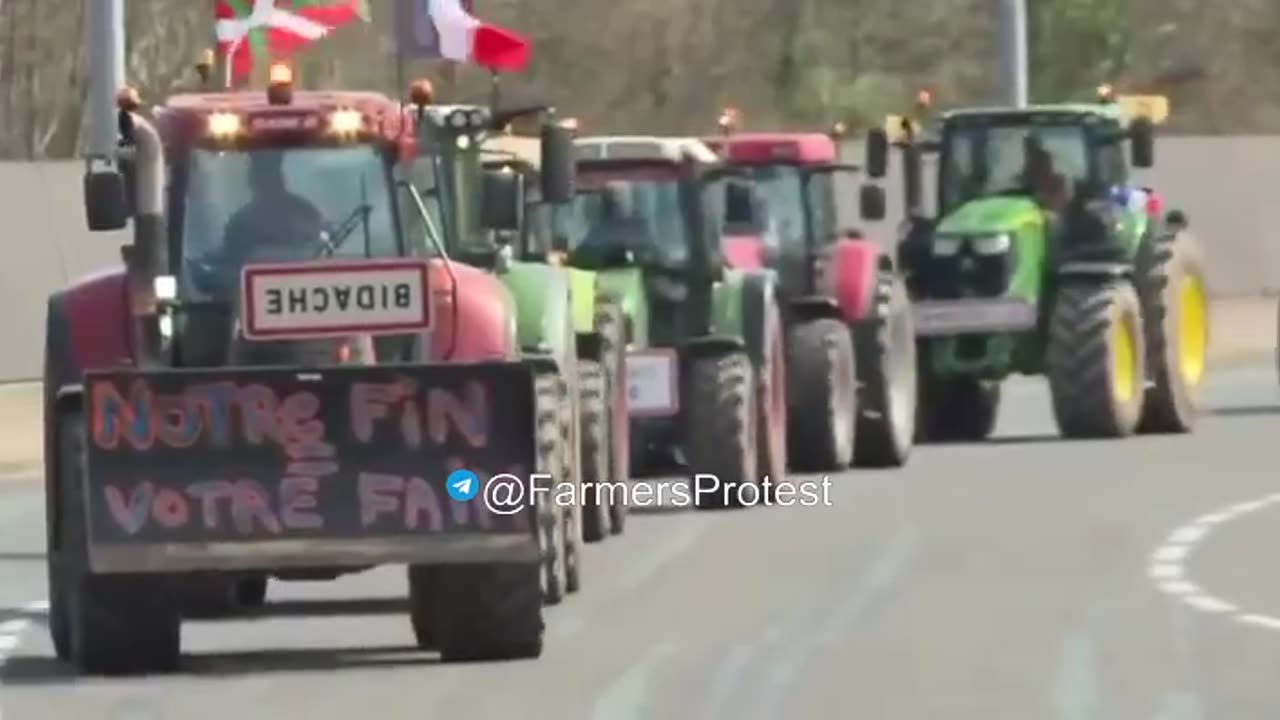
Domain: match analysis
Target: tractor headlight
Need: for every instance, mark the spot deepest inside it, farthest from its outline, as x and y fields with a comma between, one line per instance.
x=996, y=244
x=346, y=122
x=223, y=125
x=946, y=245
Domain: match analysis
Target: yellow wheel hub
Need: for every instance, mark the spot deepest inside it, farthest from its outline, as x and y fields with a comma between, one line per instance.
x=1124, y=360
x=1193, y=329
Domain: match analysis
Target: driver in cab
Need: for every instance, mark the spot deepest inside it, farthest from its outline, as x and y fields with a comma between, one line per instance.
x=274, y=217
x=617, y=224
x=1051, y=190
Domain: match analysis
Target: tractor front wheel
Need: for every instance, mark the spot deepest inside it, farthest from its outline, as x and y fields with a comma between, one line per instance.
x=107, y=624
x=771, y=404
x=822, y=391
x=1095, y=359
x=596, y=518
x=955, y=409
x=719, y=425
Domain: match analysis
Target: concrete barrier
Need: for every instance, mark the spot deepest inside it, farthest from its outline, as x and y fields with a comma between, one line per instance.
x=1226, y=185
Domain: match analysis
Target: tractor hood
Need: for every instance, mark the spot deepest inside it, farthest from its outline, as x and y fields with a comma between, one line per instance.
x=989, y=215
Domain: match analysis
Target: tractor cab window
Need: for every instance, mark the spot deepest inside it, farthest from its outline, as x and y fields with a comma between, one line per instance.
x=280, y=205
x=620, y=213
x=422, y=175
x=820, y=189
x=983, y=157
x=783, y=190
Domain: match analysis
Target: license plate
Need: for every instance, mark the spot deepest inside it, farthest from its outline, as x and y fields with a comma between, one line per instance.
x=653, y=388
x=958, y=317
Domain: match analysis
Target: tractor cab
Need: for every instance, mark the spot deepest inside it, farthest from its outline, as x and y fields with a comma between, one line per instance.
x=782, y=213
x=1032, y=177
x=654, y=204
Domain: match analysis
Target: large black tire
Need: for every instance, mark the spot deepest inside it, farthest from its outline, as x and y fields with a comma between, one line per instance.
x=771, y=403
x=553, y=454
x=1175, y=314
x=110, y=624
x=823, y=395
x=596, y=519
x=955, y=409
x=719, y=399
x=424, y=604
x=1095, y=359
x=886, y=346
x=571, y=515
x=611, y=326
x=488, y=612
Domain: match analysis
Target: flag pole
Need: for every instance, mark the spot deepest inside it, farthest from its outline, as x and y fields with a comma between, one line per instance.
x=494, y=89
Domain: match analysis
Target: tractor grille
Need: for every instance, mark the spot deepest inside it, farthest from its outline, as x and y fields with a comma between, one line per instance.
x=966, y=274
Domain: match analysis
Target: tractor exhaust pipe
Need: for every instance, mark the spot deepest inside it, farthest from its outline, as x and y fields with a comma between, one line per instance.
x=150, y=239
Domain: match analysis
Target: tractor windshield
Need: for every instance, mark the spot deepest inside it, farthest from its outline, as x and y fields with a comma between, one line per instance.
x=619, y=213
x=982, y=157
x=782, y=189
x=278, y=205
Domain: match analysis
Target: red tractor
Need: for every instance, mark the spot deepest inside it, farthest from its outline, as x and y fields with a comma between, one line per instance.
x=289, y=377
x=851, y=351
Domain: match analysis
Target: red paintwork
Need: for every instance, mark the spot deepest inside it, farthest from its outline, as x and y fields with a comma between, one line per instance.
x=98, y=322
x=853, y=269
x=471, y=320
x=1155, y=204
x=743, y=252
x=183, y=120
x=764, y=148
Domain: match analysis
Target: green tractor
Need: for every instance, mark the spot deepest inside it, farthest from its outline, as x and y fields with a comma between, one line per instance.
x=1045, y=259
x=542, y=299
x=520, y=220
x=706, y=360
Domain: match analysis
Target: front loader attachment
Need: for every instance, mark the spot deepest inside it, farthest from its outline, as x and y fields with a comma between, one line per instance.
x=269, y=468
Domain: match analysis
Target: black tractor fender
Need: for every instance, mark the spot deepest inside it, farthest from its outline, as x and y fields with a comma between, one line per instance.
x=1093, y=270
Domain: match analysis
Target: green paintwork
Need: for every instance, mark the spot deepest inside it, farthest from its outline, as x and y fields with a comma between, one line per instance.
x=583, y=298
x=1021, y=218
x=726, y=305
x=627, y=284
x=542, y=300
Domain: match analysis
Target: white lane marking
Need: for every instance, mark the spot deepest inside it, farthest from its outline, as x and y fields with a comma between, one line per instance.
x=628, y=697
x=1167, y=566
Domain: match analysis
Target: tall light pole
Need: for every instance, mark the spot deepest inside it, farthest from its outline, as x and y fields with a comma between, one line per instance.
x=1013, y=52
x=106, y=78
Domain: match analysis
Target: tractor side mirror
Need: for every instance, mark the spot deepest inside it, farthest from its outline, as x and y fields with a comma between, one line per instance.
x=106, y=200
x=877, y=153
x=558, y=164
x=871, y=202
x=1142, y=143
x=502, y=200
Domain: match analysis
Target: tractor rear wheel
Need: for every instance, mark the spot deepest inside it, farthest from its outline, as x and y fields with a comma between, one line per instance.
x=595, y=451
x=719, y=424
x=111, y=624
x=1095, y=359
x=1175, y=315
x=823, y=395
x=955, y=409
x=886, y=347
x=611, y=326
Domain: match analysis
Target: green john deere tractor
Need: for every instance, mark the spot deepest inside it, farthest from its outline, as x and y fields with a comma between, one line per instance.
x=521, y=220
x=705, y=362
x=1045, y=258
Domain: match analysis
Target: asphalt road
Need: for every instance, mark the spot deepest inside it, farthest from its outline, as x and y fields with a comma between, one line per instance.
x=1004, y=580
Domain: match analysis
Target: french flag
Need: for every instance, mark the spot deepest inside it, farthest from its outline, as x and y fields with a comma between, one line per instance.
x=463, y=38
